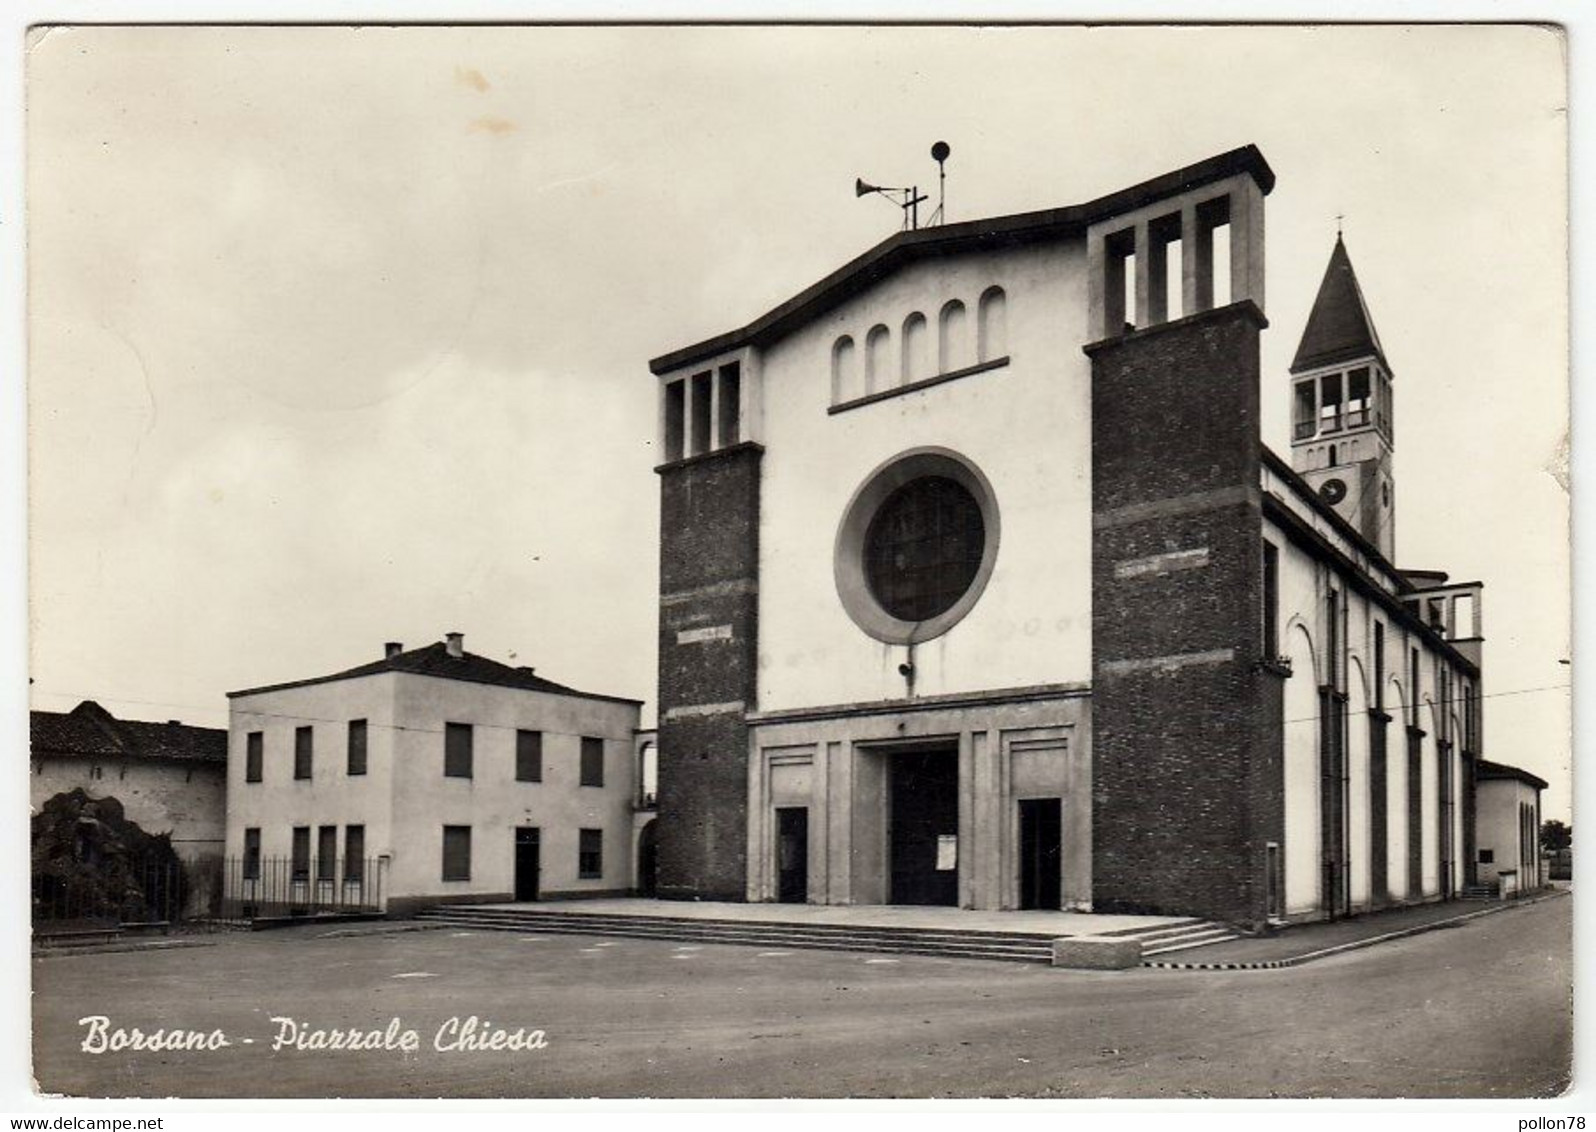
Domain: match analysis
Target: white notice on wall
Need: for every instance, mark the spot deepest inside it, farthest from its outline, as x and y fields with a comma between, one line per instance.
x=947, y=851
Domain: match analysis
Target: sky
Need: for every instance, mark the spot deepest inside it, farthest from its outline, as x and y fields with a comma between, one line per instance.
x=339, y=336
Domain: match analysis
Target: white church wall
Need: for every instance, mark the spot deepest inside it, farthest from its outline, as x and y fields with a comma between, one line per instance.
x=1358, y=852
x=1302, y=776
x=1026, y=425
x=1430, y=807
x=1396, y=792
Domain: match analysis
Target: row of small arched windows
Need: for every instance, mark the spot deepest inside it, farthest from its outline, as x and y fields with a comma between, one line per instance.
x=883, y=368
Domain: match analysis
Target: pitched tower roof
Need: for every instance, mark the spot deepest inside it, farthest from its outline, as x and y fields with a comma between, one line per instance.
x=1339, y=327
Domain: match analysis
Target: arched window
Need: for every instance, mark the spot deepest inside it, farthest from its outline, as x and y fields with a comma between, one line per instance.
x=843, y=365
x=878, y=343
x=953, y=349
x=916, y=348
x=992, y=332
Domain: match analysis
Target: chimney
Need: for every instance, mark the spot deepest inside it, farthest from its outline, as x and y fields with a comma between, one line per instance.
x=456, y=643
x=393, y=648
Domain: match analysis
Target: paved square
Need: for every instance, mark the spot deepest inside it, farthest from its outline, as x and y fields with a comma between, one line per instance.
x=1481, y=1010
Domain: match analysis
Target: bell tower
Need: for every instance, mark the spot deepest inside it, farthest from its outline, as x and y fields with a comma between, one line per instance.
x=1342, y=431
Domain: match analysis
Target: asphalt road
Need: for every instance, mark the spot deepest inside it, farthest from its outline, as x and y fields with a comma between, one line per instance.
x=1480, y=1010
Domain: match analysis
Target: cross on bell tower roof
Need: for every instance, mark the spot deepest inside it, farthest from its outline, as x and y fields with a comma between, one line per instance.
x=1339, y=326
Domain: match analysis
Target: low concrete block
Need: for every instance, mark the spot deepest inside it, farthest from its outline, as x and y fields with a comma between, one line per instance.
x=1097, y=953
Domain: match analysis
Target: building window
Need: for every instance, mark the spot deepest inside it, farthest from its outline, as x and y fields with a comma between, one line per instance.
x=1271, y=601
x=916, y=547
x=300, y=862
x=529, y=756
x=1330, y=403
x=303, y=752
x=844, y=379
x=916, y=349
x=457, y=750
x=1413, y=679
x=456, y=852
x=592, y=761
x=953, y=347
x=354, y=853
x=992, y=335
x=675, y=420
x=1379, y=666
x=1358, y=397
x=878, y=360
x=700, y=411
x=357, y=746
x=1333, y=640
x=326, y=852
x=731, y=404
x=252, y=853
x=924, y=547
x=590, y=854
x=1487, y=856
x=254, y=756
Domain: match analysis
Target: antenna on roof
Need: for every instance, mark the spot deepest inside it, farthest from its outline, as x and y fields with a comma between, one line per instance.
x=908, y=199
x=939, y=154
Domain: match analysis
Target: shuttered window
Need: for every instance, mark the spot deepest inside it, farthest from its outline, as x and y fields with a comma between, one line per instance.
x=326, y=852
x=590, y=854
x=301, y=853
x=252, y=853
x=456, y=852
x=303, y=752
x=529, y=756
x=357, y=747
x=354, y=852
x=457, y=750
x=254, y=756
x=592, y=761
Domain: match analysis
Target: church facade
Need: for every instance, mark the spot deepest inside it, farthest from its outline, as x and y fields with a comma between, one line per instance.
x=980, y=588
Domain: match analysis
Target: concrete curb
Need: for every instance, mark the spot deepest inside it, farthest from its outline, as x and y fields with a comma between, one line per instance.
x=1351, y=945
x=112, y=948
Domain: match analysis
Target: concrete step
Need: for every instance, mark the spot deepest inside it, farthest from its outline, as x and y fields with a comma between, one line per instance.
x=1154, y=929
x=599, y=920
x=670, y=928
x=973, y=945
x=1194, y=939
x=514, y=915
x=1150, y=937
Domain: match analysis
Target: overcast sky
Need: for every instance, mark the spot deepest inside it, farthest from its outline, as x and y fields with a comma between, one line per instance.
x=341, y=336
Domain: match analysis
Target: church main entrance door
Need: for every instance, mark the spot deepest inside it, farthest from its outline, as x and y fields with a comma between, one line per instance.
x=924, y=814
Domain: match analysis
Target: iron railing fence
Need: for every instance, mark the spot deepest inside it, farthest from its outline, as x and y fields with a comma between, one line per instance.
x=126, y=892
x=270, y=887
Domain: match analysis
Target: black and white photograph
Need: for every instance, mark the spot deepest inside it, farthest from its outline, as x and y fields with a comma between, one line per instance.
x=831, y=561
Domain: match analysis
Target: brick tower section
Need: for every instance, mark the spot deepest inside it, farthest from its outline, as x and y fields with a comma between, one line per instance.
x=708, y=648
x=1186, y=710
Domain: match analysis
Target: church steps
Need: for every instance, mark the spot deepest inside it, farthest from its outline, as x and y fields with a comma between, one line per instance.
x=1019, y=948
x=539, y=916
x=1194, y=938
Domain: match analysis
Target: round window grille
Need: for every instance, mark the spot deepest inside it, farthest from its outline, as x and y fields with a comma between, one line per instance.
x=917, y=544
x=924, y=547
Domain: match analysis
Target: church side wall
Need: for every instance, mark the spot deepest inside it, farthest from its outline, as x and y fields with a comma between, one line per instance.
x=1391, y=776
